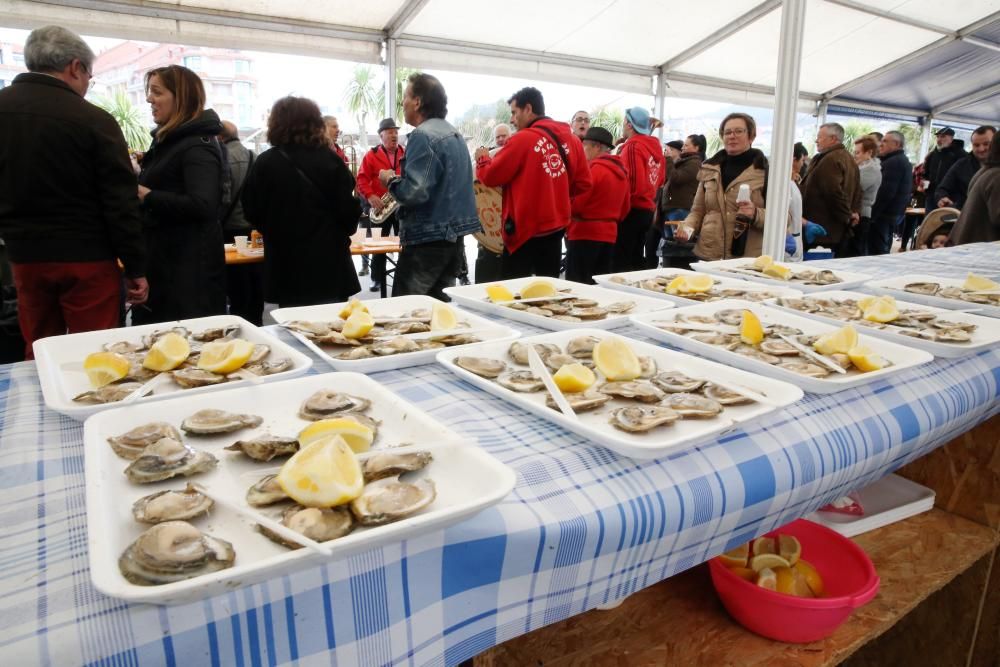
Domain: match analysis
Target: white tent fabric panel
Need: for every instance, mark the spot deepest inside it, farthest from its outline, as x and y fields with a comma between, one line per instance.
x=373, y=14
x=437, y=59
x=950, y=15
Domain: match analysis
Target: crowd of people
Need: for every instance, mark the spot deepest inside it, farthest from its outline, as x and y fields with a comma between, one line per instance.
x=90, y=234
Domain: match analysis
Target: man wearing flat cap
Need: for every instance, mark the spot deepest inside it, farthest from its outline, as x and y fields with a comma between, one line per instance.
x=937, y=163
x=643, y=159
x=593, y=227
x=387, y=155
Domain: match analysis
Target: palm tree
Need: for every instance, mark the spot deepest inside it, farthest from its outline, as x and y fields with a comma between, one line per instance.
x=128, y=118
x=362, y=97
x=612, y=120
x=402, y=78
x=854, y=130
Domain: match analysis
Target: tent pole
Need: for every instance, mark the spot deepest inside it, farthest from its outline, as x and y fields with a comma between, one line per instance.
x=925, y=137
x=793, y=16
x=390, y=78
x=660, y=101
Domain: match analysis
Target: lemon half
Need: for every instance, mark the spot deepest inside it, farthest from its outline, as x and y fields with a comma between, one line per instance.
x=105, y=367
x=616, y=360
x=751, y=330
x=357, y=436
x=975, y=283
x=351, y=306
x=838, y=342
x=167, y=353
x=443, y=317
x=325, y=473
x=538, y=288
x=358, y=324
x=497, y=292
x=225, y=356
x=573, y=378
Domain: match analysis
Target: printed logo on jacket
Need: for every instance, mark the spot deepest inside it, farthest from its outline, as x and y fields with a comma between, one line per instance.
x=653, y=170
x=551, y=160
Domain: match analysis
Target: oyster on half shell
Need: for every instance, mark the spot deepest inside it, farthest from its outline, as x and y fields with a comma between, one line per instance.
x=482, y=366
x=174, y=551
x=213, y=422
x=320, y=524
x=266, y=491
x=523, y=381
x=328, y=403
x=393, y=464
x=265, y=447
x=387, y=500
x=642, y=418
x=168, y=458
x=129, y=445
x=184, y=505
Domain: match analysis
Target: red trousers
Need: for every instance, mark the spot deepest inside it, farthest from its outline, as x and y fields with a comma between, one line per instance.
x=54, y=298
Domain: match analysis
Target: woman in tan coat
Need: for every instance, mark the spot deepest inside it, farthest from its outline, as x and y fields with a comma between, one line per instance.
x=713, y=215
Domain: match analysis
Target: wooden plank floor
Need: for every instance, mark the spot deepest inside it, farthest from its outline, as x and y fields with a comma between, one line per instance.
x=680, y=621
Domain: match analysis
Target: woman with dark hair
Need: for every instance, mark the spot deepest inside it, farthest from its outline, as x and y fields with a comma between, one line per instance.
x=298, y=195
x=180, y=187
x=980, y=218
x=724, y=227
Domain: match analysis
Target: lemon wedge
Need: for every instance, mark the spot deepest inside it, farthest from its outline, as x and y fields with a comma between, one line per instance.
x=789, y=548
x=779, y=271
x=762, y=262
x=751, y=330
x=812, y=578
x=690, y=285
x=538, y=288
x=975, y=283
x=167, y=353
x=616, y=360
x=225, y=356
x=358, y=324
x=764, y=545
x=325, y=473
x=736, y=557
x=767, y=561
x=882, y=309
x=676, y=286
x=357, y=436
x=866, y=360
x=497, y=292
x=766, y=578
x=865, y=302
x=573, y=378
x=443, y=317
x=744, y=573
x=352, y=306
x=105, y=367
x=838, y=342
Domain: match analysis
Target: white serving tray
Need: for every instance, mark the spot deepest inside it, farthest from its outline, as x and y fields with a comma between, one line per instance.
x=717, y=268
x=60, y=362
x=902, y=357
x=474, y=296
x=396, y=305
x=891, y=499
x=894, y=286
x=594, y=425
x=727, y=282
x=467, y=479
x=987, y=333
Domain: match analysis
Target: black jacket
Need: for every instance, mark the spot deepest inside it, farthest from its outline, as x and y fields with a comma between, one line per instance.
x=299, y=197
x=936, y=165
x=955, y=184
x=896, y=188
x=67, y=189
x=181, y=223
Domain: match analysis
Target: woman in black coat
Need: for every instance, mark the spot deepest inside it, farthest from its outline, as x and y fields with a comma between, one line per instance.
x=299, y=195
x=180, y=187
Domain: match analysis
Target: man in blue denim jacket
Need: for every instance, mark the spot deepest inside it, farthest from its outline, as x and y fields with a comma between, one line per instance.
x=437, y=205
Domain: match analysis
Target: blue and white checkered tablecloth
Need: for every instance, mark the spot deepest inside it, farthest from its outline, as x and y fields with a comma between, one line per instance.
x=583, y=526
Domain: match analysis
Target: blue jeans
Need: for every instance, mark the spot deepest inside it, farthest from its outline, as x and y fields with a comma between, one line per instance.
x=674, y=214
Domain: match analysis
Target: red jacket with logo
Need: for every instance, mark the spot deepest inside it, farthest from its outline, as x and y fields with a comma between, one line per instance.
x=643, y=158
x=597, y=212
x=375, y=161
x=537, y=185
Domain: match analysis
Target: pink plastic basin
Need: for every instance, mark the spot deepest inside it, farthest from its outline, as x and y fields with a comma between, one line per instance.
x=849, y=580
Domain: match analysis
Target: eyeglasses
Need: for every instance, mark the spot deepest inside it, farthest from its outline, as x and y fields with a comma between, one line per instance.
x=90, y=76
x=735, y=132
x=581, y=119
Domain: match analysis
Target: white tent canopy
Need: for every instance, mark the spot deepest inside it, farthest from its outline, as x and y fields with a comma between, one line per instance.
x=911, y=57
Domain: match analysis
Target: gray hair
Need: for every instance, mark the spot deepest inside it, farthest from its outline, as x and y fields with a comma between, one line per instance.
x=53, y=48
x=836, y=129
x=327, y=119
x=898, y=137
x=498, y=126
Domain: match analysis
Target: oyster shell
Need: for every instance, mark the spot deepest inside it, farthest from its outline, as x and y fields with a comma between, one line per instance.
x=129, y=445
x=730, y=316
x=408, y=327
x=393, y=464
x=215, y=333
x=387, y=500
x=455, y=339
x=724, y=396
x=482, y=366
x=174, y=551
x=123, y=347
x=327, y=403
x=718, y=339
x=523, y=381
x=589, y=313
x=334, y=338
x=168, y=458
x=805, y=368
x=757, y=353
x=518, y=351
x=648, y=368
x=584, y=303
x=581, y=402
x=266, y=367
x=567, y=318
x=538, y=310
x=556, y=361
x=397, y=345
x=363, y=352
x=928, y=289
x=197, y=377
x=826, y=277
x=304, y=327
x=778, y=348
x=318, y=524
x=109, y=393
x=675, y=382
x=692, y=405
x=638, y=390
x=620, y=307
x=149, y=339
x=582, y=347
x=642, y=418
x=260, y=351
x=184, y=505
x=212, y=422
x=266, y=491
x=265, y=447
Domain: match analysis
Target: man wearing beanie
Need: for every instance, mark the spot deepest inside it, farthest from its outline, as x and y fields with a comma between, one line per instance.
x=593, y=228
x=643, y=158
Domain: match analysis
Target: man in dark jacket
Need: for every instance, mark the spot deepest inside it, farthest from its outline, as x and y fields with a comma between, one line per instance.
x=955, y=186
x=244, y=282
x=68, y=204
x=939, y=161
x=893, y=194
x=831, y=192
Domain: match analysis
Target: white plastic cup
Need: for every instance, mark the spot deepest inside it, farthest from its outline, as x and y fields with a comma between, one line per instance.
x=744, y=193
x=241, y=242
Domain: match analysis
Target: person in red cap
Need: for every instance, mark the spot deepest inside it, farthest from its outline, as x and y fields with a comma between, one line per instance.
x=643, y=158
x=590, y=239
x=387, y=155
x=540, y=168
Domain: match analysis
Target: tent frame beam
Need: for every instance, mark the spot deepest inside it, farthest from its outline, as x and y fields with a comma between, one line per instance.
x=403, y=18
x=731, y=28
x=966, y=99
x=898, y=18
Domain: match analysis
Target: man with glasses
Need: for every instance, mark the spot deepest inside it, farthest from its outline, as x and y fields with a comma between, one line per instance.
x=68, y=205
x=580, y=124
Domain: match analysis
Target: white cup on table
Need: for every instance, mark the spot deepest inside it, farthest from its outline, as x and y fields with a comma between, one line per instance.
x=241, y=242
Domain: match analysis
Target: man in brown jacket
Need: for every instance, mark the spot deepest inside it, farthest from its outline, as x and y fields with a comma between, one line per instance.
x=831, y=190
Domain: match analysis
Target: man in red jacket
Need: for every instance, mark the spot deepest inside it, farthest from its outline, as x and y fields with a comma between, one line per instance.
x=540, y=168
x=643, y=158
x=590, y=239
x=387, y=155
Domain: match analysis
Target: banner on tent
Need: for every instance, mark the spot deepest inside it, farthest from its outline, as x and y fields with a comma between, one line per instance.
x=836, y=109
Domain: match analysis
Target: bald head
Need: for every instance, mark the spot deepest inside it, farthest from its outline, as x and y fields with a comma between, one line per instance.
x=229, y=131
